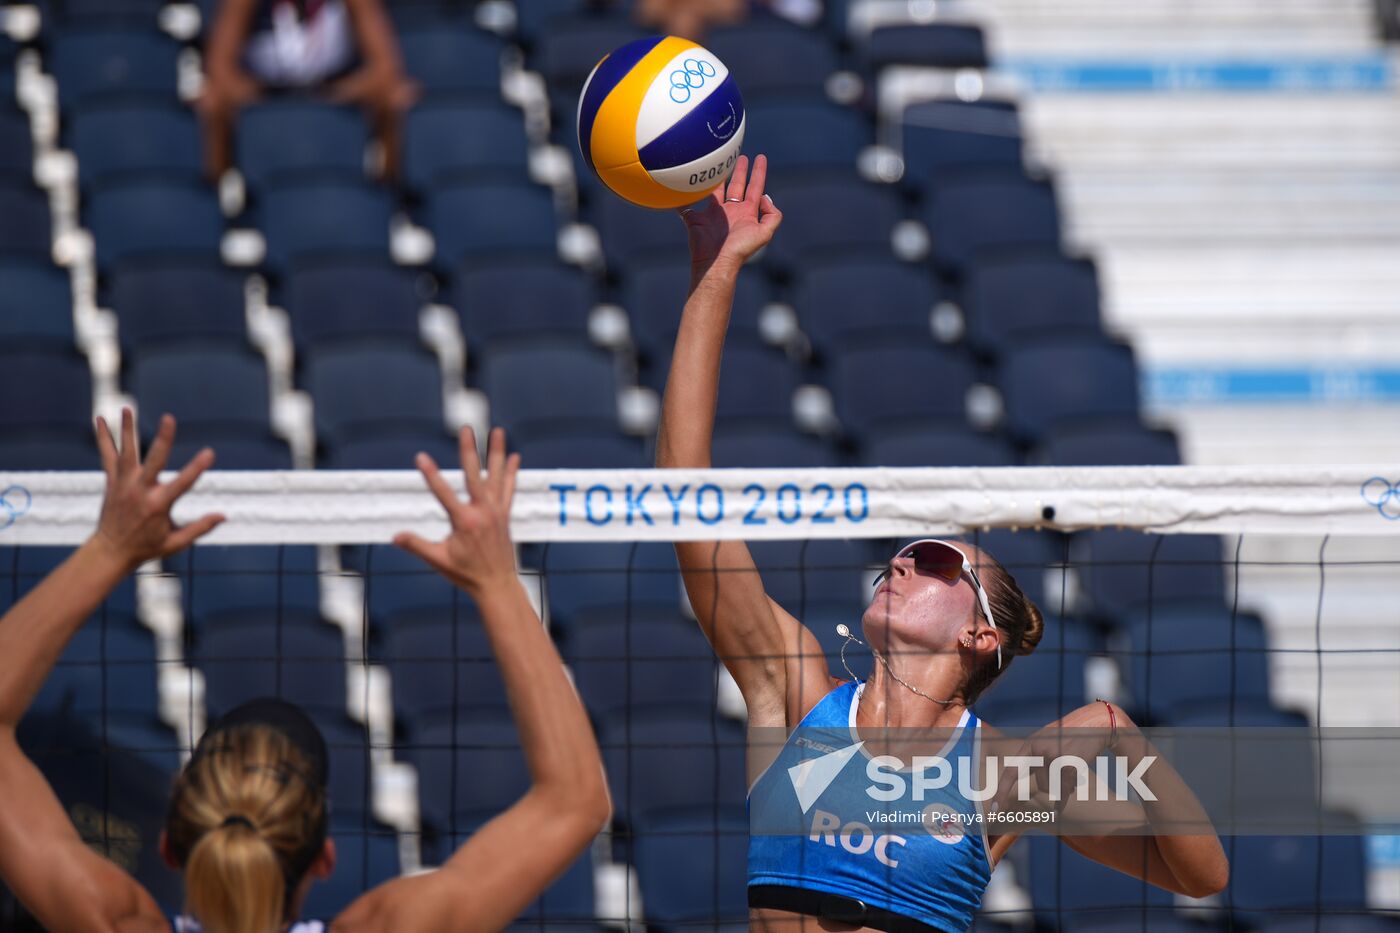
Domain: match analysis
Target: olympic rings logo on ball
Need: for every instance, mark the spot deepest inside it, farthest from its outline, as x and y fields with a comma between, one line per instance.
x=1383, y=496
x=689, y=78
x=12, y=509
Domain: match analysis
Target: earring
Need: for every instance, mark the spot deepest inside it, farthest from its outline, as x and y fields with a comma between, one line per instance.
x=966, y=641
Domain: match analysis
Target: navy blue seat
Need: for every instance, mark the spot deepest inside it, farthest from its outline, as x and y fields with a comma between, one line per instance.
x=314, y=219
x=773, y=56
x=1180, y=654
x=840, y=302
x=830, y=218
x=1047, y=684
x=23, y=568
x=237, y=453
x=390, y=452
x=654, y=293
x=952, y=446
x=25, y=225
x=451, y=61
x=582, y=452
x=488, y=775
x=1274, y=876
x=690, y=865
x=300, y=661
x=363, y=860
x=1066, y=887
x=225, y=584
x=1033, y=294
x=659, y=761
x=1335, y=923
x=454, y=141
x=899, y=384
x=170, y=300
x=1261, y=773
x=798, y=574
x=1109, y=445
x=485, y=223
x=974, y=213
x=109, y=666
x=623, y=667
x=212, y=391
x=567, y=52
x=353, y=299
x=943, y=135
x=634, y=235
x=289, y=136
x=604, y=581
x=114, y=139
x=36, y=305
x=49, y=453
x=936, y=45
x=437, y=665
x=1039, y=561
x=349, y=786
x=804, y=134
x=16, y=143
x=368, y=388
x=756, y=386
x=535, y=19
x=154, y=219
x=89, y=64
x=763, y=449
x=523, y=298
x=65, y=404
x=133, y=13
x=822, y=620
x=550, y=385
x=1054, y=383
x=1125, y=569
x=401, y=590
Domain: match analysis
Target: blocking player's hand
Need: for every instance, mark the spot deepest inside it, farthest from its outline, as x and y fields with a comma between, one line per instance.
x=737, y=220
x=477, y=553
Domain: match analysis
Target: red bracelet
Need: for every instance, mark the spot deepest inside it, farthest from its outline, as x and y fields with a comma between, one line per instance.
x=1112, y=725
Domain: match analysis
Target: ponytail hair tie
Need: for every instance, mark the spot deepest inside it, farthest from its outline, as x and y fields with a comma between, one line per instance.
x=238, y=819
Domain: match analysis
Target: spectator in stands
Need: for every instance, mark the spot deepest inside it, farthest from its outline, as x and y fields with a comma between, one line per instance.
x=344, y=49
x=248, y=814
x=690, y=18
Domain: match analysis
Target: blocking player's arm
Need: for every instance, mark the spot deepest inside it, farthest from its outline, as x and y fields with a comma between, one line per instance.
x=778, y=664
x=66, y=885
x=508, y=862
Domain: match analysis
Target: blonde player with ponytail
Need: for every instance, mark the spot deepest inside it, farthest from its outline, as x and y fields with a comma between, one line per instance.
x=247, y=818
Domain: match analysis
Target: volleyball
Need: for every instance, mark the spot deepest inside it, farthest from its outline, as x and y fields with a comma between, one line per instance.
x=660, y=121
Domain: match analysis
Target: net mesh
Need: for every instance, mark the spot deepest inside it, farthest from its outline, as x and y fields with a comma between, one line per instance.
x=1237, y=627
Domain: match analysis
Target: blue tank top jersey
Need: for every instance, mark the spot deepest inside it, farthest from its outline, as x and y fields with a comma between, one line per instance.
x=814, y=825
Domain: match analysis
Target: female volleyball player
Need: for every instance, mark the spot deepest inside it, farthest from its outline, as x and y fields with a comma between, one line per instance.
x=946, y=621
x=247, y=816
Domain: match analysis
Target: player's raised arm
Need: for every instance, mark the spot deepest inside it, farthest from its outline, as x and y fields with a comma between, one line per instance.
x=775, y=661
x=512, y=859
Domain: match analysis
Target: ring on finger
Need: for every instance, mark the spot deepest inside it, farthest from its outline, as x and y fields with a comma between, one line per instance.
x=733, y=200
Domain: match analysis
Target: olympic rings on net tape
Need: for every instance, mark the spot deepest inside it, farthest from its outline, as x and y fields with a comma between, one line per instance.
x=12, y=506
x=1382, y=495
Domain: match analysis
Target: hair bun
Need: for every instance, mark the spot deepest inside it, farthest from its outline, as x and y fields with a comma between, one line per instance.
x=1035, y=628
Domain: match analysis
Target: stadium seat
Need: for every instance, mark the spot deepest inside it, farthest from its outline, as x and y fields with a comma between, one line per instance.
x=1335, y=923
x=839, y=303
x=132, y=13
x=363, y=860
x=291, y=136
x=298, y=660
x=973, y=213
x=662, y=760
x=25, y=226
x=404, y=397
x=1124, y=569
x=935, y=45
x=107, y=665
x=1042, y=687
x=487, y=223
x=93, y=64
x=1261, y=772
x=765, y=449
x=401, y=590
x=111, y=140
x=1027, y=295
x=797, y=574
x=49, y=453
x=237, y=453
x=338, y=300
x=309, y=220
x=349, y=786
x=582, y=452
x=394, y=452
x=804, y=133
x=154, y=219
x=438, y=665
x=36, y=305
x=451, y=61
x=169, y=300
x=63, y=407
x=550, y=385
x=830, y=219
x=954, y=446
x=1039, y=562
x=447, y=142
x=690, y=865
x=211, y=391
x=16, y=142
x=522, y=299
x=566, y=53
x=896, y=383
x=1273, y=876
x=224, y=584
x=1054, y=383
x=627, y=667
x=488, y=775
x=822, y=620
x=1108, y=445
x=1066, y=887
x=653, y=293
x=606, y=580
x=939, y=136
x=771, y=56
x=633, y=235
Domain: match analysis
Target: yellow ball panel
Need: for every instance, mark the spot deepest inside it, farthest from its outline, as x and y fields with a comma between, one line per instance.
x=631, y=182
x=613, y=141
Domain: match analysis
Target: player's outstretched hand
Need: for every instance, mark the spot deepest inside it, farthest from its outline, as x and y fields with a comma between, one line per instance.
x=477, y=553
x=737, y=220
x=135, y=525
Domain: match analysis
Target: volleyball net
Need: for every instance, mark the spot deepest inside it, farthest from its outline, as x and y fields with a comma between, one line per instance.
x=1251, y=608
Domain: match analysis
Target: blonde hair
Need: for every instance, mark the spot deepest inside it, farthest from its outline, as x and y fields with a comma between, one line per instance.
x=245, y=821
